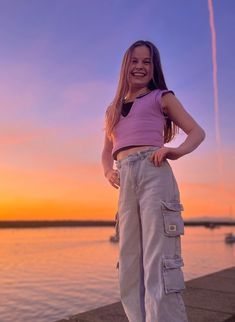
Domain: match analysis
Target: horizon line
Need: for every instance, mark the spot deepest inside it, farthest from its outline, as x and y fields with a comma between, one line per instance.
x=100, y=223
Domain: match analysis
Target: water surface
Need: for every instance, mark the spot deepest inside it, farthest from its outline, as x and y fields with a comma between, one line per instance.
x=51, y=273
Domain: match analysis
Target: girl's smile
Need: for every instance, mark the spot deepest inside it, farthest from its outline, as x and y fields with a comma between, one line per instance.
x=138, y=74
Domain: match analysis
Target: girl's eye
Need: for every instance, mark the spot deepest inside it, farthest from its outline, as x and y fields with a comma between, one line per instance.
x=135, y=61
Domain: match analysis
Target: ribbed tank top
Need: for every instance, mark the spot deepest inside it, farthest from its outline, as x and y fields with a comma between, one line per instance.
x=144, y=124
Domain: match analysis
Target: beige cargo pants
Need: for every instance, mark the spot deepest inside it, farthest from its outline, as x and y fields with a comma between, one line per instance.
x=150, y=222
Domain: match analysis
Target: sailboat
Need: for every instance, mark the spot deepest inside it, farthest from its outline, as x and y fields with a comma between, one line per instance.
x=230, y=237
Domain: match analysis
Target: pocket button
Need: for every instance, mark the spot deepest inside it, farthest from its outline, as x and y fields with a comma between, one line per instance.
x=172, y=227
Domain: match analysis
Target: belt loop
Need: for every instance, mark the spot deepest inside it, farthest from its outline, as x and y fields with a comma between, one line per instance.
x=118, y=164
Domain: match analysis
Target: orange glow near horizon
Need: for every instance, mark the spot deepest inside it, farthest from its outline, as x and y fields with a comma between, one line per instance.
x=58, y=195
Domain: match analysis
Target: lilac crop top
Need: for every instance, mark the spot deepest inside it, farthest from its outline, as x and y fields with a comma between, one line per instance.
x=144, y=124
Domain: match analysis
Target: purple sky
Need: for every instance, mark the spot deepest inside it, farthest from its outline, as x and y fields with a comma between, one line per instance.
x=59, y=63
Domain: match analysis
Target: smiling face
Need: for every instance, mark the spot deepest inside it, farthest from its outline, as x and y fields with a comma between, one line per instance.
x=140, y=68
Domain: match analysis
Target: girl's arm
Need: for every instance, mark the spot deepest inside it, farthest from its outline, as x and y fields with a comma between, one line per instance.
x=107, y=161
x=195, y=134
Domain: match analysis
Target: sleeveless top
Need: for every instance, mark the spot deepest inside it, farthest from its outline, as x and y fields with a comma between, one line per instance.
x=143, y=125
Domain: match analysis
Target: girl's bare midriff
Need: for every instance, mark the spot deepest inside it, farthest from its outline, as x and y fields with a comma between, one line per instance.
x=124, y=153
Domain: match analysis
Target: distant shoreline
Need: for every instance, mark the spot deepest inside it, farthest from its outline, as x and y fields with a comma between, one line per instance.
x=55, y=223
x=97, y=223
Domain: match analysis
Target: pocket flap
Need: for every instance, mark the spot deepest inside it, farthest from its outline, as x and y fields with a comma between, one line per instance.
x=173, y=262
x=172, y=274
x=173, y=205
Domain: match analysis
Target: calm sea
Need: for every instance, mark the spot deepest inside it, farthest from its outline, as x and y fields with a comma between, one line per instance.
x=52, y=273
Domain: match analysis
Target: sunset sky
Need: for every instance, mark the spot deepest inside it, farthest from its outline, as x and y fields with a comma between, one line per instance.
x=59, y=63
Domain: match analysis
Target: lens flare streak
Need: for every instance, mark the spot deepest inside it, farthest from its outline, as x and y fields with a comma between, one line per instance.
x=215, y=81
x=215, y=89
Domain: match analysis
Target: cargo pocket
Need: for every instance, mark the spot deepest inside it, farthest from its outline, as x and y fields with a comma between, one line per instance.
x=173, y=276
x=173, y=222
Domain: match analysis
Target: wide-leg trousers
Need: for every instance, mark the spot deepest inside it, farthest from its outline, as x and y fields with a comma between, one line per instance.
x=150, y=223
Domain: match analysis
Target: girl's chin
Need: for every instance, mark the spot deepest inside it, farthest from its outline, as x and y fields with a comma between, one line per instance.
x=136, y=80
x=138, y=84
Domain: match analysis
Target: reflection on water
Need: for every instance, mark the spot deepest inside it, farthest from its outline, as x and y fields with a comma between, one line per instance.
x=51, y=273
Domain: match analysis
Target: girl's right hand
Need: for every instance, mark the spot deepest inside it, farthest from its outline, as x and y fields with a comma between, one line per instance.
x=113, y=177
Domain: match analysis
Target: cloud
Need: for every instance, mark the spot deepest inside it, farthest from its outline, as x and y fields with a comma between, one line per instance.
x=21, y=134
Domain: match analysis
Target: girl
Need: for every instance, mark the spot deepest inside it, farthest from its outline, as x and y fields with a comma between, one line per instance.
x=143, y=116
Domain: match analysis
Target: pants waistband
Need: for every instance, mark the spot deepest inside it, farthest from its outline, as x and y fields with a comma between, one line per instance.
x=139, y=155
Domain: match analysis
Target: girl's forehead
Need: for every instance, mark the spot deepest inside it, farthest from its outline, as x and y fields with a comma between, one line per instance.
x=142, y=51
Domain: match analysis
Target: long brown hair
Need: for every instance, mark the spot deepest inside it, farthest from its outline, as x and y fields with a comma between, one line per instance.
x=157, y=82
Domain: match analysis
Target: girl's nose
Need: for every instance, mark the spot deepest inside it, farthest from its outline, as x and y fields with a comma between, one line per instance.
x=139, y=65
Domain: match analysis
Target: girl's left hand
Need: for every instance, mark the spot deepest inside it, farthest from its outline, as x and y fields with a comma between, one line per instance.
x=162, y=154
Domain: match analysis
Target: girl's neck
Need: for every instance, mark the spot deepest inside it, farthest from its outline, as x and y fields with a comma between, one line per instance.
x=133, y=93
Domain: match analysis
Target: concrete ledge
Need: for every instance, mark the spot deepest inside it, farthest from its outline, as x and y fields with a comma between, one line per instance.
x=210, y=298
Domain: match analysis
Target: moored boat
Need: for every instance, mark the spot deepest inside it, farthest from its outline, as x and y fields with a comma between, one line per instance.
x=115, y=238
x=229, y=238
